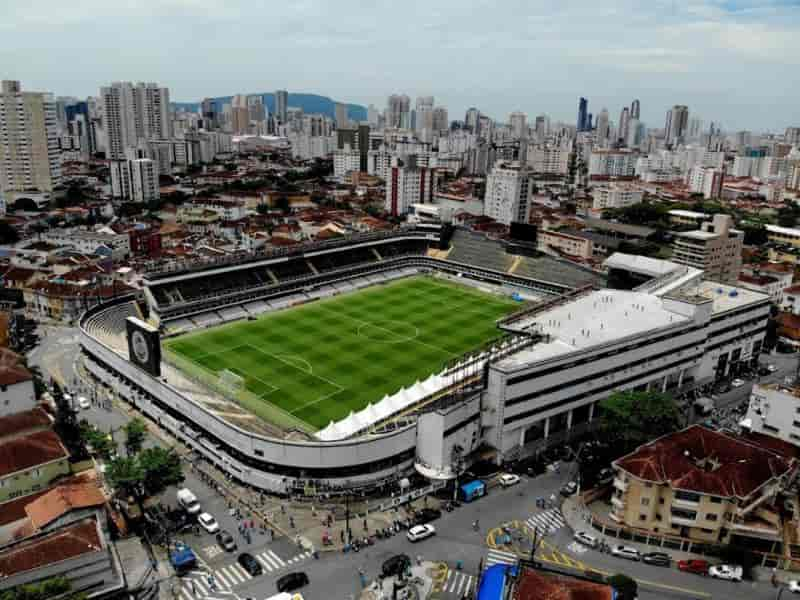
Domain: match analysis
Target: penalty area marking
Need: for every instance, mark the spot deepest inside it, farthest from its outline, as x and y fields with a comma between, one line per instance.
x=291, y=358
x=376, y=325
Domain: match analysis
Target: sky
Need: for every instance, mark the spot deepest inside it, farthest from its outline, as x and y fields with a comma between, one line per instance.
x=734, y=62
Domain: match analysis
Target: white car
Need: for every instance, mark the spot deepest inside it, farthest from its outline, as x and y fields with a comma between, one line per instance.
x=771, y=368
x=626, y=552
x=208, y=522
x=737, y=383
x=794, y=586
x=509, y=479
x=586, y=539
x=84, y=403
x=420, y=532
x=729, y=572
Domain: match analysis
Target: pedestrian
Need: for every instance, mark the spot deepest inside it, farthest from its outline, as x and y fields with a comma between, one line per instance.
x=365, y=525
x=341, y=535
x=194, y=588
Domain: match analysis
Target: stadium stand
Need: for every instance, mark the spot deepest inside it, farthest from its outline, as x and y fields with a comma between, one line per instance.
x=343, y=258
x=477, y=249
x=109, y=326
x=553, y=269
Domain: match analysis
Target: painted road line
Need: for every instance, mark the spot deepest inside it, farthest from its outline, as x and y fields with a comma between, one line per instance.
x=494, y=557
x=277, y=558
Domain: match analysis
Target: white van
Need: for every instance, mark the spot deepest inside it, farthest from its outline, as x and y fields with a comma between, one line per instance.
x=188, y=501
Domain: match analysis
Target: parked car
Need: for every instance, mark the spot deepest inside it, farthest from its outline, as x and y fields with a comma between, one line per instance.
x=509, y=479
x=586, y=539
x=771, y=368
x=605, y=476
x=292, y=581
x=84, y=403
x=626, y=552
x=226, y=541
x=208, y=522
x=696, y=566
x=737, y=383
x=395, y=565
x=728, y=572
x=426, y=515
x=250, y=564
x=659, y=559
x=420, y=532
x=794, y=586
x=569, y=488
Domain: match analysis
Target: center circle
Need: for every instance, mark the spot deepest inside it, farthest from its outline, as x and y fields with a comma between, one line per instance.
x=388, y=331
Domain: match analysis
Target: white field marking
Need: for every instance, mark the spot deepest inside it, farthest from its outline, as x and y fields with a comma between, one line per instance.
x=291, y=357
x=415, y=341
x=400, y=340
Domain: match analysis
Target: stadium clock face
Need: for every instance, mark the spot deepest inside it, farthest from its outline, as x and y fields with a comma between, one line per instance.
x=140, y=348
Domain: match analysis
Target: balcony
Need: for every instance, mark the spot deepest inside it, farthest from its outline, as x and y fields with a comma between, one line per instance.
x=683, y=522
x=681, y=503
x=620, y=484
x=617, y=501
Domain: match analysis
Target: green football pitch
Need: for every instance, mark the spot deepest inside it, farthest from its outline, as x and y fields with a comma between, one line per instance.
x=319, y=361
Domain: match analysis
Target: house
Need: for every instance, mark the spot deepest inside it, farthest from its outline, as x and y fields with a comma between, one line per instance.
x=16, y=384
x=30, y=462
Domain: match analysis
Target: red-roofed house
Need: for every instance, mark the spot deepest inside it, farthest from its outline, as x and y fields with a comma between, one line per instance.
x=16, y=384
x=701, y=484
x=31, y=462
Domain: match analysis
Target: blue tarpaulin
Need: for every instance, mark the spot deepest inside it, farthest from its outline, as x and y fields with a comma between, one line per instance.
x=473, y=489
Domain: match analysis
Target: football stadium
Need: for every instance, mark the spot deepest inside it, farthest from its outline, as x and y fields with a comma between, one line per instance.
x=348, y=364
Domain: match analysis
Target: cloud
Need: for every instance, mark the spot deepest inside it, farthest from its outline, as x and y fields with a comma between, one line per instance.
x=718, y=56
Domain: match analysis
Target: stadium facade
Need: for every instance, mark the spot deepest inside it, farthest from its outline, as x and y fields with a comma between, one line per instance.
x=560, y=356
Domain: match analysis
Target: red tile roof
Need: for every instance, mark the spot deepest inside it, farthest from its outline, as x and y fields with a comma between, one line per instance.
x=538, y=585
x=21, y=453
x=61, y=500
x=11, y=369
x=25, y=421
x=14, y=510
x=69, y=542
x=707, y=462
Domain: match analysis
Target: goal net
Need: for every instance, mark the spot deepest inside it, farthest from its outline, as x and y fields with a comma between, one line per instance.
x=231, y=382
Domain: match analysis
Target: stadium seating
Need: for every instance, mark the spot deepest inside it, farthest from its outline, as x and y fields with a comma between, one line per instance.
x=546, y=268
x=476, y=249
x=109, y=327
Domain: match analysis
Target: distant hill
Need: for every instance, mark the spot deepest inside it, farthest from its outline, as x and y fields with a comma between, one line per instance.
x=310, y=103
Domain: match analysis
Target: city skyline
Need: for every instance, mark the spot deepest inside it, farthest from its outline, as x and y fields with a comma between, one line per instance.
x=717, y=57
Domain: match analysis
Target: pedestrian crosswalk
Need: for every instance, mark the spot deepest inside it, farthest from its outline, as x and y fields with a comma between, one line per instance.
x=459, y=583
x=546, y=522
x=498, y=557
x=206, y=584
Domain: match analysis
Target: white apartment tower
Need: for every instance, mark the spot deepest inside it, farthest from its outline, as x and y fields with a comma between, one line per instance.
x=29, y=154
x=132, y=113
x=407, y=184
x=134, y=179
x=518, y=121
x=508, y=193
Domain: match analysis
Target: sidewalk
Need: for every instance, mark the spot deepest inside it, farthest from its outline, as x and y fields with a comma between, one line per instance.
x=575, y=515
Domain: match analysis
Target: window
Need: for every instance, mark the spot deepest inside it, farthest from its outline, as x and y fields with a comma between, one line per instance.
x=715, y=499
x=648, y=485
x=645, y=501
x=659, y=517
x=643, y=517
x=36, y=473
x=706, y=530
x=258, y=452
x=687, y=496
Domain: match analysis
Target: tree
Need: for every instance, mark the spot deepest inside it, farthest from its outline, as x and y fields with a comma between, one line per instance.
x=629, y=418
x=8, y=235
x=754, y=235
x=102, y=443
x=788, y=214
x=126, y=475
x=145, y=474
x=135, y=433
x=56, y=587
x=626, y=587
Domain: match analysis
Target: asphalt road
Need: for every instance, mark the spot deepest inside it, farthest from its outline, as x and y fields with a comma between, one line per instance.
x=335, y=575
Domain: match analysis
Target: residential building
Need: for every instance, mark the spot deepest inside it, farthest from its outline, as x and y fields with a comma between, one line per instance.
x=508, y=193
x=398, y=111
x=774, y=410
x=564, y=243
x=603, y=127
x=29, y=152
x=687, y=217
x=783, y=235
x=707, y=181
x=441, y=121
x=282, y=105
x=543, y=159
x=583, y=120
x=716, y=248
x=132, y=113
x=518, y=122
x=16, y=384
x=408, y=184
x=340, y=112
x=29, y=462
x=135, y=180
x=88, y=242
x=614, y=195
x=703, y=485
x=677, y=125
x=612, y=163
x=764, y=283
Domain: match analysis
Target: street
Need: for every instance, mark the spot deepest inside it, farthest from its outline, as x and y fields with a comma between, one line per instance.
x=335, y=575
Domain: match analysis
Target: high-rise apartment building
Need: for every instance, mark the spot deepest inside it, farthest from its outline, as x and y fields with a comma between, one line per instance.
x=624, y=119
x=508, y=193
x=441, y=121
x=340, y=112
x=29, y=154
x=281, y=105
x=635, y=107
x=407, y=184
x=472, y=118
x=132, y=113
x=584, y=122
x=256, y=111
x=240, y=114
x=398, y=111
x=677, y=125
x=518, y=121
x=135, y=178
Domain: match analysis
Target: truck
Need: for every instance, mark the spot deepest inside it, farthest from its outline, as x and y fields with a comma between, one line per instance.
x=182, y=558
x=188, y=501
x=472, y=490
